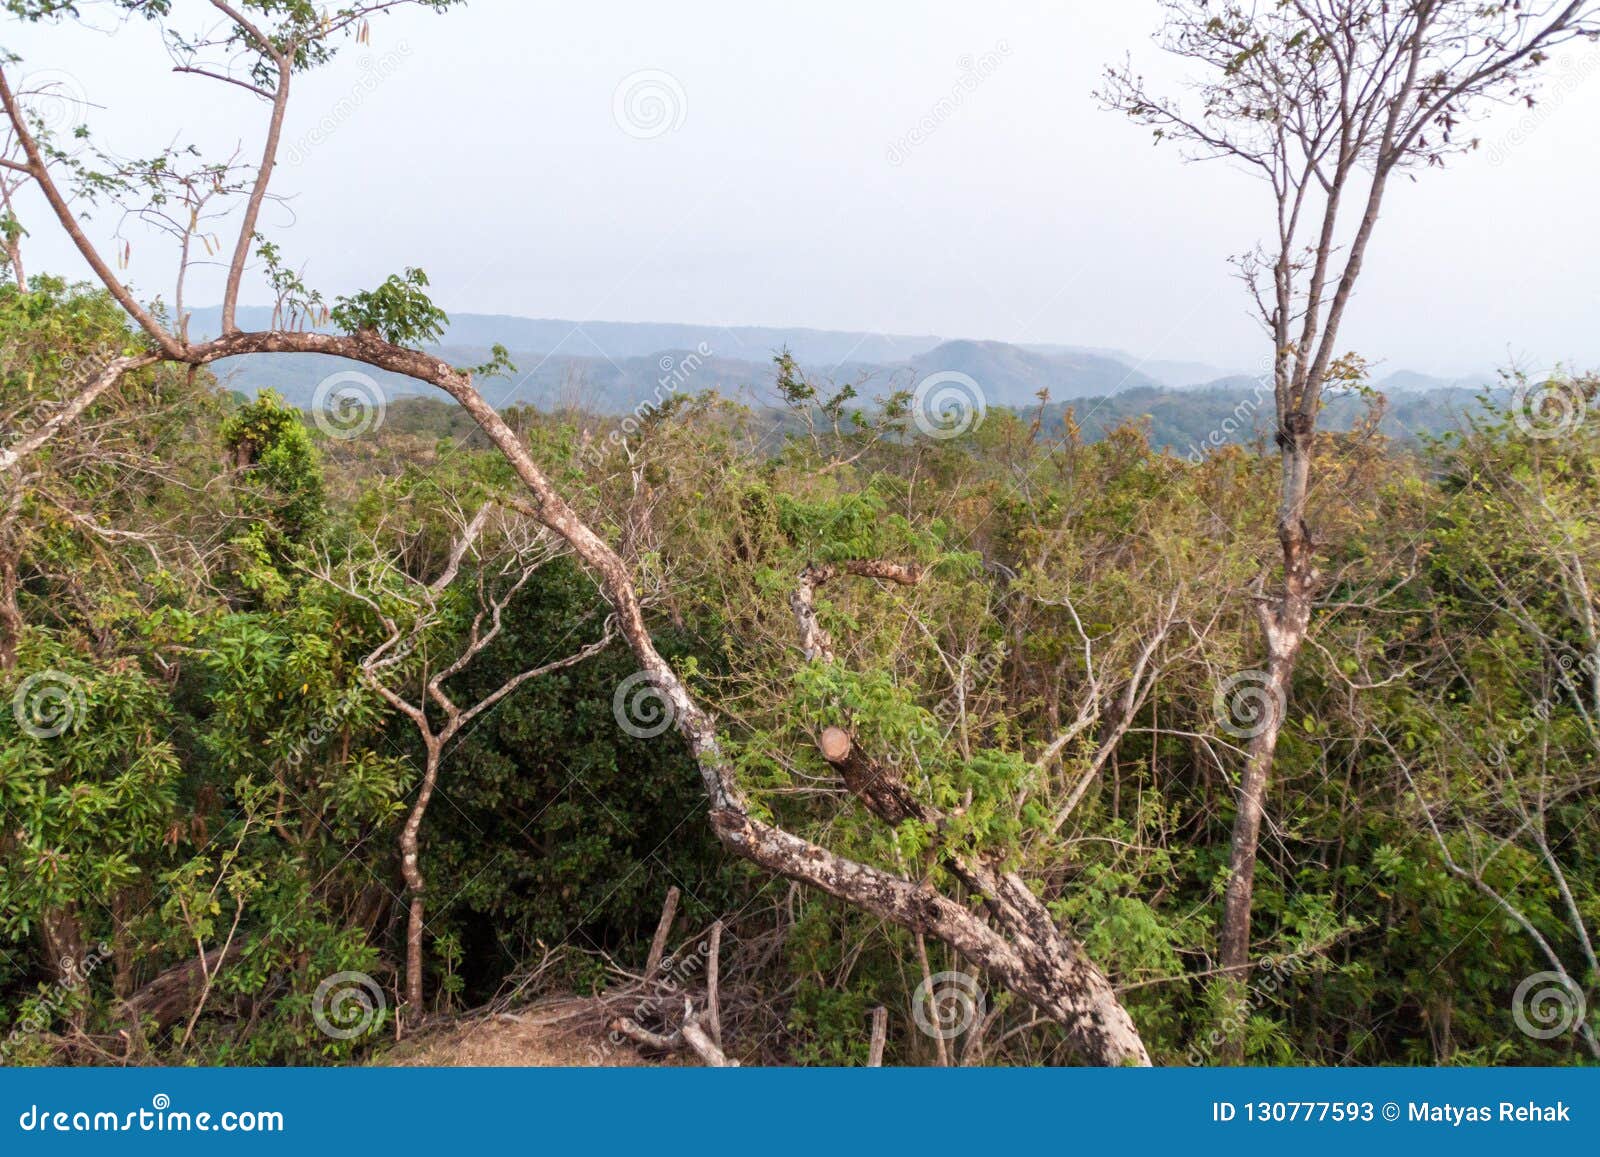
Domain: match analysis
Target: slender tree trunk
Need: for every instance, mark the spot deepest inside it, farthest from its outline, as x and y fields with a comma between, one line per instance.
x=1235, y=937
x=414, y=952
x=1283, y=621
x=410, y=869
x=61, y=939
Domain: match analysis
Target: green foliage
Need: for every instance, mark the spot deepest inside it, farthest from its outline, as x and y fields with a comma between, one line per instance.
x=561, y=827
x=298, y=304
x=88, y=776
x=224, y=777
x=398, y=311
x=499, y=364
x=269, y=441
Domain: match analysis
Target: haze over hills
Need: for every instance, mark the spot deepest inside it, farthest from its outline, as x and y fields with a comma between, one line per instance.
x=1176, y=374
x=615, y=367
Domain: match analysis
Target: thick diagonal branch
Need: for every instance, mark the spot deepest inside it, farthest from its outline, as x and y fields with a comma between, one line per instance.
x=1023, y=947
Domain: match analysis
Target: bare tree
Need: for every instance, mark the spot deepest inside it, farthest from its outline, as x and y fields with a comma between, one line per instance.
x=1325, y=101
x=411, y=612
x=259, y=47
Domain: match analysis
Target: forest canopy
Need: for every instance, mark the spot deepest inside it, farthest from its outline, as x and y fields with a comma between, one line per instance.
x=874, y=725
x=194, y=581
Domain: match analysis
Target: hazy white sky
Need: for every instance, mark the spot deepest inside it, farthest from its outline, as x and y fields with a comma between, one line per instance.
x=783, y=189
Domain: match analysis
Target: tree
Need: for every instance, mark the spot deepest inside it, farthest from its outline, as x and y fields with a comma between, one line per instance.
x=412, y=611
x=260, y=46
x=1325, y=101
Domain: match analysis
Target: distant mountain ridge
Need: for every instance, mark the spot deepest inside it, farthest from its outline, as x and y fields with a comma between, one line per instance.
x=629, y=339
x=1233, y=411
x=614, y=367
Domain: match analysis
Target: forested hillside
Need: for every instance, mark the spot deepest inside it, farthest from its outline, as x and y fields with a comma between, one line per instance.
x=367, y=681
x=209, y=603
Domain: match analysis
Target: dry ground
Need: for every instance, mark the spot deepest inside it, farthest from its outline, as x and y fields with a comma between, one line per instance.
x=494, y=1041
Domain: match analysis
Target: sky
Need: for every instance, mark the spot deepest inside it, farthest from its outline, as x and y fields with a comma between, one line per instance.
x=761, y=164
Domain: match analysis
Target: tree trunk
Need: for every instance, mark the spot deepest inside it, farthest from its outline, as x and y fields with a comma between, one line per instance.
x=1234, y=941
x=61, y=939
x=410, y=869
x=1045, y=966
x=1283, y=623
x=170, y=997
x=14, y=256
x=414, y=952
